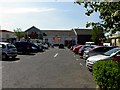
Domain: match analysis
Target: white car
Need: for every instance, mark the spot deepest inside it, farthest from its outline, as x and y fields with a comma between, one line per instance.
x=113, y=54
x=8, y=50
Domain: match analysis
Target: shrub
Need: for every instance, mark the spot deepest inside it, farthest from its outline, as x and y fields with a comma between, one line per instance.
x=107, y=74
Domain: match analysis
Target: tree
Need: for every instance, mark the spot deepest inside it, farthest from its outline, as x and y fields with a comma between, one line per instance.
x=109, y=14
x=97, y=34
x=19, y=33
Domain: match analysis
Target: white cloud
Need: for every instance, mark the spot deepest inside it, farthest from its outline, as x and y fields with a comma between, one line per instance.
x=25, y=10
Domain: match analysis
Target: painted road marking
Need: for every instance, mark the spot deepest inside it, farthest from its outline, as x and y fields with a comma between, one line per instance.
x=56, y=55
x=17, y=61
x=80, y=64
x=77, y=59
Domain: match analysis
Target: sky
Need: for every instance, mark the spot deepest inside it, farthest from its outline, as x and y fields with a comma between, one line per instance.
x=43, y=14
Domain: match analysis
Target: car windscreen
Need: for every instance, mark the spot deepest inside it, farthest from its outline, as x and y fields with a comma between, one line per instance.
x=10, y=46
x=112, y=51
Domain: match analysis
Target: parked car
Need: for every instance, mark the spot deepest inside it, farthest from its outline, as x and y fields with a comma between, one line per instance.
x=7, y=50
x=61, y=46
x=96, y=50
x=72, y=47
x=25, y=47
x=39, y=47
x=113, y=54
x=45, y=45
x=76, y=49
x=81, y=50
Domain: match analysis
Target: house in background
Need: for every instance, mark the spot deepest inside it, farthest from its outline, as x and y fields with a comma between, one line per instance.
x=68, y=37
x=83, y=35
x=7, y=36
x=115, y=39
x=34, y=33
x=57, y=37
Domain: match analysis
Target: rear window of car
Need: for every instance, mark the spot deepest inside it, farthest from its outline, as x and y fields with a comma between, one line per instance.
x=3, y=46
x=10, y=46
x=99, y=49
x=103, y=49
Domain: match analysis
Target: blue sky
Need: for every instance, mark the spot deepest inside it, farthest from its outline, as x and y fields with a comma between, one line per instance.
x=44, y=15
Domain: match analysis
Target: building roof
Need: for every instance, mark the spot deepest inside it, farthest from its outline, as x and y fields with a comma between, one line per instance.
x=33, y=28
x=6, y=31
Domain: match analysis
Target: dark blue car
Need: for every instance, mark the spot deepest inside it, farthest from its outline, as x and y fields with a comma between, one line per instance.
x=26, y=47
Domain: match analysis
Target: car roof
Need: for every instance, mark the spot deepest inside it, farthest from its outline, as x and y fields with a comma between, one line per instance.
x=4, y=43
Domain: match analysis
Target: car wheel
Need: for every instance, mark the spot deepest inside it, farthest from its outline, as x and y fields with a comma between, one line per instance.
x=4, y=56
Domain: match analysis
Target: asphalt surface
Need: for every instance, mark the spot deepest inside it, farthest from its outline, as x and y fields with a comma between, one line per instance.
x=54, y=68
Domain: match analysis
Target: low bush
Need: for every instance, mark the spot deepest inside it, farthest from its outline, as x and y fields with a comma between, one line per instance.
x=107, y=74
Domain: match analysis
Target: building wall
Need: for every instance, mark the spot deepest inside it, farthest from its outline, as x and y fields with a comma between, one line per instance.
x=115, y=42
x=60, y=40
x=4, y=36
x=81, y=39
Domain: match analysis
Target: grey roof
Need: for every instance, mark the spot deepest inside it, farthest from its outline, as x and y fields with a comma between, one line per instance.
x=33, y=28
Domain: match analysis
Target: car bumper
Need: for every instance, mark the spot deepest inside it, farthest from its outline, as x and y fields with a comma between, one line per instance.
x=12, y=54
x=89, y=65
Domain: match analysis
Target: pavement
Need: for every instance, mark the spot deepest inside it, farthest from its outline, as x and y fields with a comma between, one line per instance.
x=54, y=68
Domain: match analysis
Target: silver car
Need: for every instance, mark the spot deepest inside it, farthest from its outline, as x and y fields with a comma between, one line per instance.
x=8, y=50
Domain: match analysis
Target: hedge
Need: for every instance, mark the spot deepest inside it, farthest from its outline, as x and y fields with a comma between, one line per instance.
x=107, y=74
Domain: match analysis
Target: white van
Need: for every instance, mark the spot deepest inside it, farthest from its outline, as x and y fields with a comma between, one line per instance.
x=89, y=43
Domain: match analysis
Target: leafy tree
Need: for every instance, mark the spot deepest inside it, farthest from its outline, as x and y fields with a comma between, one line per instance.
x=97, y=34
x=19, y=33
x=109, y=13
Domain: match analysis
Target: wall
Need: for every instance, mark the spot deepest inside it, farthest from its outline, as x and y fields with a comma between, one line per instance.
x=6, y=35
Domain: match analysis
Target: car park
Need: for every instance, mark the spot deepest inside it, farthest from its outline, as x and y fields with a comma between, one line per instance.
x=113, y=54
x=96, y=50
x=7, y=50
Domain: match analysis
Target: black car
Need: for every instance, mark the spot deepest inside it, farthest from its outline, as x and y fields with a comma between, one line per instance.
x=61, y=46
x=39, y=47
x=25, y=47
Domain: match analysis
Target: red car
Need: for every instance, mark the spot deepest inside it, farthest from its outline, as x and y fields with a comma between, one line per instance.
x=76, y=48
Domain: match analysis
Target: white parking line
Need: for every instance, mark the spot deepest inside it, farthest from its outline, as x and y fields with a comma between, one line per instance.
x=77, y=59
x=17, y=61
x=80, y=64
x=56, y=55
